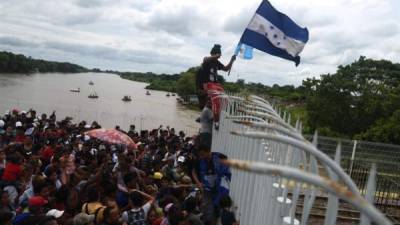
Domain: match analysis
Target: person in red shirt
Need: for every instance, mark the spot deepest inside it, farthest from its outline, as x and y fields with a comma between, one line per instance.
x=13, y=170
x=47, y=153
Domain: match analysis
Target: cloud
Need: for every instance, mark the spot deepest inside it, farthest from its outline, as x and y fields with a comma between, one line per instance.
x=172, y=35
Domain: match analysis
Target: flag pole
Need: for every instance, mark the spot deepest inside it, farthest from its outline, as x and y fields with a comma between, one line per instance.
x=237, y=50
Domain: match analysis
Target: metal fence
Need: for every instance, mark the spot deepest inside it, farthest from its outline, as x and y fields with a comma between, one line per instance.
x=280, y=176
x=385, y=156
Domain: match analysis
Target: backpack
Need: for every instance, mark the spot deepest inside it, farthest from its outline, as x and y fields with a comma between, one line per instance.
x=137, y=218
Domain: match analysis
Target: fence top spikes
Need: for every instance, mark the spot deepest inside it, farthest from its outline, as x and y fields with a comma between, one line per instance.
x=315, y=138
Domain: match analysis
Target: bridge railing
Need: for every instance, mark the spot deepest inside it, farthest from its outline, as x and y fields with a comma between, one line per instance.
x=275, y=167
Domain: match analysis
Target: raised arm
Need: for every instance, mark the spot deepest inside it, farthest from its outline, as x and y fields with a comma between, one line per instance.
x=229, y=66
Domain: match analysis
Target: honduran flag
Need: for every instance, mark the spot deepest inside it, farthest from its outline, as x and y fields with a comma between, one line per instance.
x=274, y=33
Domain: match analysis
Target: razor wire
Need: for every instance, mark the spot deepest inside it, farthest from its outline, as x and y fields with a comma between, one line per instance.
x=260, y=141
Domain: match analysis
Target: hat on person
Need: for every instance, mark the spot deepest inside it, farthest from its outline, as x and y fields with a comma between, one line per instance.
x=37, y=201
x=18, y=124
x=83, y=218
x=87, y=126
x=2, y=123
x=22, y=112
x=181, y=159
x=158, y=176
x=216, y=49
x=55, y=213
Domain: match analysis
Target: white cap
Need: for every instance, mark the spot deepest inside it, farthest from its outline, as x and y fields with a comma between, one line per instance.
x=22, y=112
x=87, y=126
x=18, y=124
x=86, y=137
x=2, y=123
x=181, y=159
x=55, y=213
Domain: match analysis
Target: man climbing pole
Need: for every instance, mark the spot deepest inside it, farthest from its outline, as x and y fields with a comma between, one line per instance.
x=208, y=72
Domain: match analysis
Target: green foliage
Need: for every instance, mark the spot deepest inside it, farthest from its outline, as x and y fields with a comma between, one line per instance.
x=17, y=63
x=384, y=130
x=186, y=84
x=162, y=82
x=353, y=99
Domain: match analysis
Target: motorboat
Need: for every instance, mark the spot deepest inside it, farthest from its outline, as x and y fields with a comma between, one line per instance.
x=173, y=94
x=91, y=83
x=93, y=95
x=75, y=90
x=127, y=98
x=148, y=93
x=168, y=94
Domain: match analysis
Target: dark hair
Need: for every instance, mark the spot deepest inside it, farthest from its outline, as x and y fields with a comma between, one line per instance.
x=136, y=198
x=93, y=194
x=38, y=185
x=107, y=212
x=216, y=49
x=129, y=177
x=5, y=217
x=190, y=204
x=45, y=220
x=225, y=201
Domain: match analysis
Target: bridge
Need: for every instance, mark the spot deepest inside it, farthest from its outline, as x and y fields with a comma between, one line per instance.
x=281, y=177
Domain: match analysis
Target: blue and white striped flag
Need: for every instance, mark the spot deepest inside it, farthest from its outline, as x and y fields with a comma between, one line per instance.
x=274, y=33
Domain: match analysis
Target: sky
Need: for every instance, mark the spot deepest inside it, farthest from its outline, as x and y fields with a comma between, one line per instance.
x=169, y=36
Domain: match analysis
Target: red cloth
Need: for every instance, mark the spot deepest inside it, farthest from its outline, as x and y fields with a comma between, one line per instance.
x=20, y=138
x=47, y=153
x=11, y=172
x=213, y=90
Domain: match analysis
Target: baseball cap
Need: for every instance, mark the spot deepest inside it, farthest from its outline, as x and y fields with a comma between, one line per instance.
x=181, y=159
x=55, y=213
x=37, y=201
x=2, y=123
x=83, y=218
x=87, y=126
x=18, y=124
x=158, y=176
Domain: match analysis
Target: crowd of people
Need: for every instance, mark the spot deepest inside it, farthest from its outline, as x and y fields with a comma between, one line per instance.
x=52, y=173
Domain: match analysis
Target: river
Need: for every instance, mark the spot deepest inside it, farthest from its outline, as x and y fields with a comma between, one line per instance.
x=50, y=91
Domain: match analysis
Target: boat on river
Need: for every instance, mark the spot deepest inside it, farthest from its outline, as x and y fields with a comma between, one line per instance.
x=168, y=94
x=127, y=98
x=148, y=93
x=173, y=94
x=93, y=95
x=75, y=90
x=91, y=83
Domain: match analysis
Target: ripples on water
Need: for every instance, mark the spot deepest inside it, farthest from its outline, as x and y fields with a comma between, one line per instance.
x=48, y=92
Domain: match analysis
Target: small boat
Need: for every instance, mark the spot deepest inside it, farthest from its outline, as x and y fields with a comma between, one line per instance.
x=91, y=83
x=173, y=94
x=168, y=94
x=75, y=90
x=93, y=95
x=148, y=93
x=127, y=98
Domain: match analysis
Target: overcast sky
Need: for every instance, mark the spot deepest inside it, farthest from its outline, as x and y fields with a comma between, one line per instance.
x=169, y=36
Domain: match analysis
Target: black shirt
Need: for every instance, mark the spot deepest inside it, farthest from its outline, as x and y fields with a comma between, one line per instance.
x=208, y=72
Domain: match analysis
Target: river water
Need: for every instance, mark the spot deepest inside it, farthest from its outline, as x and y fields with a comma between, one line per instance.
x=50, y=91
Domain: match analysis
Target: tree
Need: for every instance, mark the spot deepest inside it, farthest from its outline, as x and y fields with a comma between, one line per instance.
x=186, y=85
x=350, y=101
